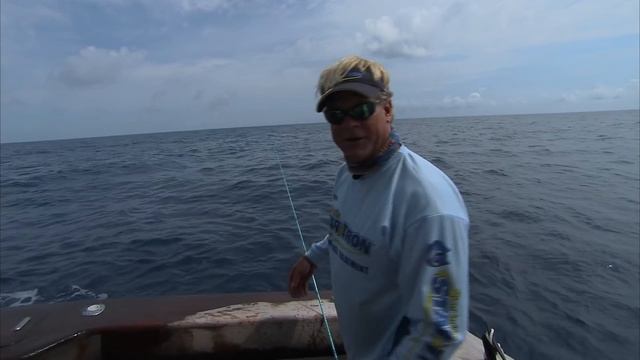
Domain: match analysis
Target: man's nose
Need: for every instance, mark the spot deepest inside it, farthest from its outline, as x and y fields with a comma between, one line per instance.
x=349, y=121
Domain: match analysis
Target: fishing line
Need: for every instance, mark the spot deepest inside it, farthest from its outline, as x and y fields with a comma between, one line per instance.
x=313, y=278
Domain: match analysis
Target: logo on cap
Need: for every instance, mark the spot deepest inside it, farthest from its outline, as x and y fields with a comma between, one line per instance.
x=352, y=74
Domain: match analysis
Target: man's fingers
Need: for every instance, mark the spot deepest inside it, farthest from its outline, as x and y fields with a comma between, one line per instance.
x=294, y=283
x=297, y=292
x=299, y=278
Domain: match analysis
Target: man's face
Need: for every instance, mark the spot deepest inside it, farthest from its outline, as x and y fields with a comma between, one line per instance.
x=359, y=140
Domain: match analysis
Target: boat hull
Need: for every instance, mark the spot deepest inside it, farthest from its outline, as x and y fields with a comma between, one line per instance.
x=225, y=326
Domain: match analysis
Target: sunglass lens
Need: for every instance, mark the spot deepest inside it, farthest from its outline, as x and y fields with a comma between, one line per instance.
x=334, y=117
x=362, y=111
x=359, y=112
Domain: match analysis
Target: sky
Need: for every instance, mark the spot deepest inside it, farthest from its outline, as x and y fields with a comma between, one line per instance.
x=84, y=68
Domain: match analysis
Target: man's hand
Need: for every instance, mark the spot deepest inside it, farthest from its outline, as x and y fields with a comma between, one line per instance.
x=299, y=277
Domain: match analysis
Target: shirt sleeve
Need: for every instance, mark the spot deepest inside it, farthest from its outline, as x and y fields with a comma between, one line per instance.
x=318, y=250
x=433, y=280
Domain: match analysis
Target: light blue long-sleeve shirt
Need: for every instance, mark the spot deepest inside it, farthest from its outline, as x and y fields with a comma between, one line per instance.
x=398, y=245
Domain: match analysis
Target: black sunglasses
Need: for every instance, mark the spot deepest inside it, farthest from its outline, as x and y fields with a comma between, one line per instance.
x=359, y=112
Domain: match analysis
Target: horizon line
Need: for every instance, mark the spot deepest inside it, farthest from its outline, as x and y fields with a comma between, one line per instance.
x=303, y=123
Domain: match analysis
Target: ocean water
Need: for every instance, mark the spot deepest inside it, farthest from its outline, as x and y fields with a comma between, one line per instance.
x=554, y=202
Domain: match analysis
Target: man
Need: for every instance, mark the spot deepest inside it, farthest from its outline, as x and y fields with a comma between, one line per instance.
x=398, y=231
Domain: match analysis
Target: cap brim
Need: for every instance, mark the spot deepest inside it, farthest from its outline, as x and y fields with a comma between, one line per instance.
x=365, y=90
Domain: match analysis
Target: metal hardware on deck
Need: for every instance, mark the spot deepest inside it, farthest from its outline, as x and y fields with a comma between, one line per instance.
x=22, y=323
x=93, y=310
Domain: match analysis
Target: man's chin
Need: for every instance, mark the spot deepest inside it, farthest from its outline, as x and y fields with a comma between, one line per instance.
x=355, y=159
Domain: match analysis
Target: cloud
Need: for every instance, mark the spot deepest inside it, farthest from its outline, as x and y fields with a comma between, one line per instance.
x=604, y=93
x=94, y=66
x=197, y=70
x=25, y=16
x=203, y=5
x=384, y=38
x=213, y=63
x=204, y=92
x=190, y=7
x=184, y=5
x=597, y=93
x=219, y=102
x=470, y=100
x=439, y=27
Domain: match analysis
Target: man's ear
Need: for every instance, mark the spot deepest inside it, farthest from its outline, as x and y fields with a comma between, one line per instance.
x=388, y=110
